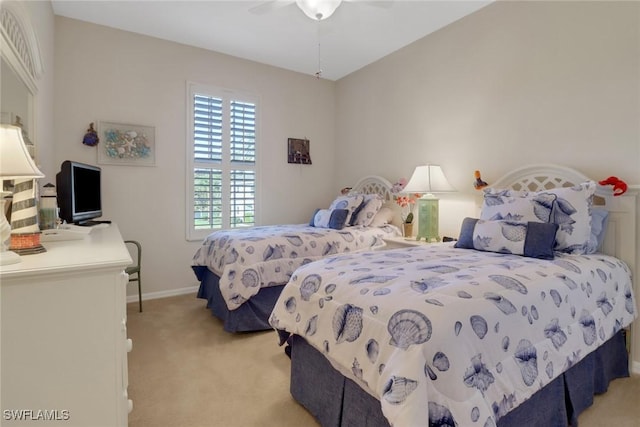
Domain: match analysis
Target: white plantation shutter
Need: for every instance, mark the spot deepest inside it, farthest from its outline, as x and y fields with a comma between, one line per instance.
x=207, y=132
x=243, y=197
x=222, y=161
x=243, y=132
x=207, y=198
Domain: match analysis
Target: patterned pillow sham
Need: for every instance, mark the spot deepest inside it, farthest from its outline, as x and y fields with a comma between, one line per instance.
x=351, y=202
x=568, y=207
x=329, y=218
x=369, y=208
x=530, y=239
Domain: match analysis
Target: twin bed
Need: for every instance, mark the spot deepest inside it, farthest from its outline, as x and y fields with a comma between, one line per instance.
x=519, y=322
x=242, y=271
x=441, y=335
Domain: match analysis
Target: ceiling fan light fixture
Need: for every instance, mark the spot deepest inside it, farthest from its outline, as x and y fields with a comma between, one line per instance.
x=318, y=9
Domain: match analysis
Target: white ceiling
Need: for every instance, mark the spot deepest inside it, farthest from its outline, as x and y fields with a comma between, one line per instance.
x=277, y=32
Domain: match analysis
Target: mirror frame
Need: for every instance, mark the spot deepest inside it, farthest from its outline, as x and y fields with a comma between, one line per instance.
x=20, y=50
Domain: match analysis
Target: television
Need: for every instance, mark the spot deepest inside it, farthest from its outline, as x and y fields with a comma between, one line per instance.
x=79, y=192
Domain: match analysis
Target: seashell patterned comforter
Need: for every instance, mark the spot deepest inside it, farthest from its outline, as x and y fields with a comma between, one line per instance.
x=454, y=336
x=252, y=258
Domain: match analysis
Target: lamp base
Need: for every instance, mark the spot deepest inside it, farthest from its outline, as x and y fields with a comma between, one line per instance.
x=26, y=243
x=8, y=258
x=30, y=251
x=428, y=219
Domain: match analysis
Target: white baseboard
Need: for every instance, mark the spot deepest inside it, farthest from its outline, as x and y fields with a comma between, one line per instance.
x=635, y=368
x=163, y=294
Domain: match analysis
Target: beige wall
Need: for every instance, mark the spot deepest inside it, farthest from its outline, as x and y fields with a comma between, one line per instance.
x=512, y=84
x=112, y=75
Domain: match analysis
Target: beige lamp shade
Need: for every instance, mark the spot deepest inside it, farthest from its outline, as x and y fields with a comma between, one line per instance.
x=15, y=161
x=428, y=179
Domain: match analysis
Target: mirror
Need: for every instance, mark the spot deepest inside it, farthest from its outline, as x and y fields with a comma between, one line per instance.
x=15, y=103
x=20, y=68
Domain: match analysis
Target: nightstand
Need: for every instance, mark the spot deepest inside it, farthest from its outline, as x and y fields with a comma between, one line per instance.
x=402, y=242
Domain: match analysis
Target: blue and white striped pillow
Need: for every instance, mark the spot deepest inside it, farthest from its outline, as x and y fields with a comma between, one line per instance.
x=329, y=218
x=530, y=239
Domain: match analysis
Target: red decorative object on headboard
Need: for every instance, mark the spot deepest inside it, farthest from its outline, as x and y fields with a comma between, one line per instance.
x=619, y=186
x=478, y=183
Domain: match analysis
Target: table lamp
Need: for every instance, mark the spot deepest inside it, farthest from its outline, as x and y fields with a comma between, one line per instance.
x=426, y=180
x=16, y=164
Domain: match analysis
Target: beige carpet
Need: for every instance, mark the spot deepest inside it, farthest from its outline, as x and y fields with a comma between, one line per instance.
x=185, y=371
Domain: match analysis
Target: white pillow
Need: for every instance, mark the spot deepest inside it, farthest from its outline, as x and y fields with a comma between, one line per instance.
x=371, y=206
x=350, y=202
x=568, y=207
x=383, y=217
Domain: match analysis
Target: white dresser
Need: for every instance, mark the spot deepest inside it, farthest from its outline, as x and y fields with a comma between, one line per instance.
x=63, y=334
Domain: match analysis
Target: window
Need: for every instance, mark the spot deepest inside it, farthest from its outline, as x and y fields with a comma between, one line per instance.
x=222, y=161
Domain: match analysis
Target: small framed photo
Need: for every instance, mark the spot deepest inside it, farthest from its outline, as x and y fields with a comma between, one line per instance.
x=126, y=144
x=298, y=151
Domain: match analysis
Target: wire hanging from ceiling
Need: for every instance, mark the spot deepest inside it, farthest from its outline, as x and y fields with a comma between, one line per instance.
x=319, y=72
x=318, y=10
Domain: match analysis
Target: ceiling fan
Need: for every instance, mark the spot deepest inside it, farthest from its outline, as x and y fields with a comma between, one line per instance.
x=317, y=10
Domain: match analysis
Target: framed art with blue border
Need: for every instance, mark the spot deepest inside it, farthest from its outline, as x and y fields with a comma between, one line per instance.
x=126, y=144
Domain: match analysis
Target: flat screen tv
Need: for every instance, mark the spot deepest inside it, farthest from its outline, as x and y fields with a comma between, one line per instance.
x=79, y=192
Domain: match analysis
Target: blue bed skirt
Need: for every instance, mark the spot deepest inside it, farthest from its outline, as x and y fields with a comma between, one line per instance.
x=337, y=401
x=253, y=315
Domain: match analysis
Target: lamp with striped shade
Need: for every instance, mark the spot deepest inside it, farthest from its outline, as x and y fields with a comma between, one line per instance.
x=16, y=164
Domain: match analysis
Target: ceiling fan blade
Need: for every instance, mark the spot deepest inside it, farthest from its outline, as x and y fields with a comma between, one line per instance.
x=269, y=6
x=384, y=4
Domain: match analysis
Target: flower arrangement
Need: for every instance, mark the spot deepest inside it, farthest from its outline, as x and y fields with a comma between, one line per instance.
x=407, y=203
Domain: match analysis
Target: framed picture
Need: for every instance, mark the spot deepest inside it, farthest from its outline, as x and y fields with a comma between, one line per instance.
x=124, y=144
x=298, y=151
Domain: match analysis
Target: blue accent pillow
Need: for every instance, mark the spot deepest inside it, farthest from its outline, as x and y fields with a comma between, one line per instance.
x=329, y=218
x=530, y=239
x=313, y=216
x=599, y=221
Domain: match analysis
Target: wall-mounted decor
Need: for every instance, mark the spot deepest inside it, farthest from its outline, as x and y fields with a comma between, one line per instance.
x=124, y=144
x=298, y=151
x=91, y=137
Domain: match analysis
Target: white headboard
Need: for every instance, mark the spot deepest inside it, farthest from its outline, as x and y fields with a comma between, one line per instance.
x=620, y=238
x=374, y=184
